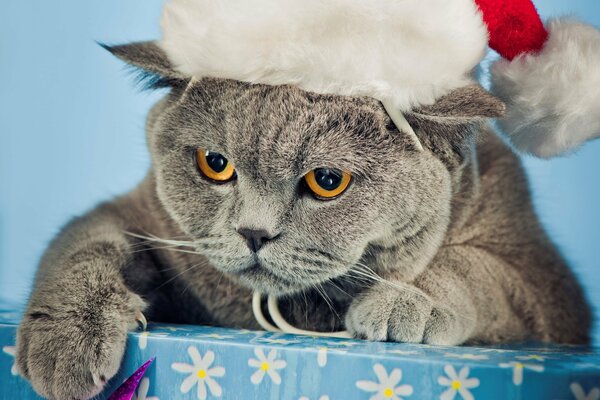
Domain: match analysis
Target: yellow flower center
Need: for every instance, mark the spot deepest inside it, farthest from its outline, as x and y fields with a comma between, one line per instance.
x=201, y=374
x=388, y=392
x=264, y=366
x=519, y=366
x=456, y=385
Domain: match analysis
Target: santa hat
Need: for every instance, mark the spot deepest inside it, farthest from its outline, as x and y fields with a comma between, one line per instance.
x=406, y=53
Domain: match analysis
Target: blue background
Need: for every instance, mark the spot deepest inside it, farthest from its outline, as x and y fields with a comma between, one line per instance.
x=71, y=133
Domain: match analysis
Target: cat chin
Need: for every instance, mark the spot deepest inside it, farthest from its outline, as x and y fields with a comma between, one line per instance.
x=260, y=279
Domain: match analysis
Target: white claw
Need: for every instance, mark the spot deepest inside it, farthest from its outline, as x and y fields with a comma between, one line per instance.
x=141, y=319
x=97, y=380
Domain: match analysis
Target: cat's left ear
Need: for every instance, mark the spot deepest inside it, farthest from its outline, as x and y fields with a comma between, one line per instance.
x=446, y=126
x=463, y=106
x=151, y=62
x=450, y=117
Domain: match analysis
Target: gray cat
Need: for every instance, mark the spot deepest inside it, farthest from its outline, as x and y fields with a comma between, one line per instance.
x=316, y=198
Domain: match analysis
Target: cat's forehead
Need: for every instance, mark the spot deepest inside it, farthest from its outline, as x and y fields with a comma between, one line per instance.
x=286, y=130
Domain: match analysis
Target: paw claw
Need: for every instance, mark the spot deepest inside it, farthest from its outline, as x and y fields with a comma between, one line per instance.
x=141, y=320
x=98, y=381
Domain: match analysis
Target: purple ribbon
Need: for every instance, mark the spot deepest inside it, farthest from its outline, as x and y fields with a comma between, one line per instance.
x=127, y=389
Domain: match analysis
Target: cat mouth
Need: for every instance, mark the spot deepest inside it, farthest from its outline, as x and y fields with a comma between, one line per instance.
x=262, y=279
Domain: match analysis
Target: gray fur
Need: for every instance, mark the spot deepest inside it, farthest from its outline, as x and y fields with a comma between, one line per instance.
x=450, y=232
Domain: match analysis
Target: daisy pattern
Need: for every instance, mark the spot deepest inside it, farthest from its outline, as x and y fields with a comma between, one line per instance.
x=277, y=341
x=457, y=383
x=246, y=332
x=518, y=368
x=533, y=357
x=324, y=397
x=497, y=351
x=474, y=357
x=11, y=351
x=268, y=364
x=322, y=356
x=387, y=387
x=343, y=343
x=143, y=340
x=178, y=329
x=403, y=352
x=142, y=392
x=201, y=373
x=216, y=336
x=580, y=394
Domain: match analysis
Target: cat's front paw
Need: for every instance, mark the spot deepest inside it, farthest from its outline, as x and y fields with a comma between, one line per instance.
x=72, y=341
x=403, y=313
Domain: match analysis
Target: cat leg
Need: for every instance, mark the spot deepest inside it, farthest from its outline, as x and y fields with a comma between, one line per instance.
x=460, y=297
x=72, y=337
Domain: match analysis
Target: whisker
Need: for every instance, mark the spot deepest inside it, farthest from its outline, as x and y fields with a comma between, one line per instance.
x=339, y=288
x=323, y=294
x=153, y=238
x=182, y=243
x=368, y=272
x=177, y=275
x=148, y=248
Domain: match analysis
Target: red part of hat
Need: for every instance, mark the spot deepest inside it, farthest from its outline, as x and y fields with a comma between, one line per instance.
x=515, y=27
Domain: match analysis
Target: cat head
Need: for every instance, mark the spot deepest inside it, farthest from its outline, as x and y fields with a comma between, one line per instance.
x=286, y=189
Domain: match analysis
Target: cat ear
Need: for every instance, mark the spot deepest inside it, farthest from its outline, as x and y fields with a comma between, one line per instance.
x=446, y=126
x=463, y=106
x=150, y=62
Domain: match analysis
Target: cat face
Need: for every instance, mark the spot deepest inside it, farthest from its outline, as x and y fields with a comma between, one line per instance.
x=239, y=168
x=274, y=137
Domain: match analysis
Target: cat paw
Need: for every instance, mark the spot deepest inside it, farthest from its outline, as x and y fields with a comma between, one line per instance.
x=403, y=313
x=73, y=343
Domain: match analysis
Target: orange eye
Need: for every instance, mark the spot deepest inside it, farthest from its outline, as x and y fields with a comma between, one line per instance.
x=214, y=166
x=326, y=183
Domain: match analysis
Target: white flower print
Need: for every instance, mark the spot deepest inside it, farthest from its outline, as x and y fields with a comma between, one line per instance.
x=518, y=368
x=344, y=343
x=467, y=356
x=497, y=351
x=178, y=328
x=403, y=352
x=216, y=336
x=579, y=393
x=246, y=332
x=322, y=356
x=533, y=357
x=268, y=364
x=277, y=341
x=324, y=397
x=387, y=387
x=143, y=340
x=457, y=383
x=11, y=351
x=201, y=373
x=142, y=392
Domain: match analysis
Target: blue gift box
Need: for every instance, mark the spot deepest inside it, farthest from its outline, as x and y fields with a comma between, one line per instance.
x=195, y=362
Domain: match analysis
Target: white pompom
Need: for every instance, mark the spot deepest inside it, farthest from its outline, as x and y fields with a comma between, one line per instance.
x=553, y=97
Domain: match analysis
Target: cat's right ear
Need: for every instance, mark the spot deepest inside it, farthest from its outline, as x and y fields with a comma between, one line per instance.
x=150, y=62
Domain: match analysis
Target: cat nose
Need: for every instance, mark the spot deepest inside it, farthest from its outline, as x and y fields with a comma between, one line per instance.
x=256, y=238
